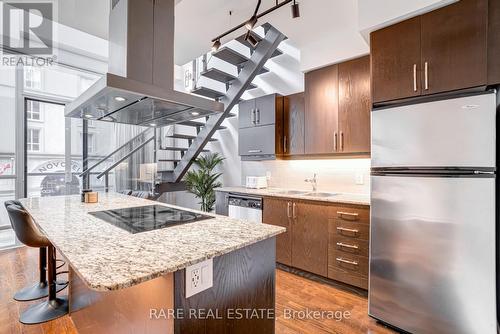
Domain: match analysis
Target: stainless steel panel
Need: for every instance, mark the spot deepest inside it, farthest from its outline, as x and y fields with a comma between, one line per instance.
x=246, y=114
x=432, y=254
x=259, y=140
x=459, y=132
x=266, y=109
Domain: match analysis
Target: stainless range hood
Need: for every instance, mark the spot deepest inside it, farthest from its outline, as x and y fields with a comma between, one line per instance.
x=139, y=86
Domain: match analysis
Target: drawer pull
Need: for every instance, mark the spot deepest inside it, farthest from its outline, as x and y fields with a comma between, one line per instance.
x=340, y=244
x=343, y=229
x=351, y=215
x=354, y=263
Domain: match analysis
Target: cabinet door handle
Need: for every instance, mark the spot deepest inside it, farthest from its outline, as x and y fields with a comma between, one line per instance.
x=258, y=116
x=253, y=116
x=284, y=144
x=350, y=230
x=335, y=141
x=254, y=151
x=354, y=263
x=426, y=66
x=341, y=141
x=341, y=244
x=414, y=77
x=288, y=205
x=352, y=215
x=294, y=211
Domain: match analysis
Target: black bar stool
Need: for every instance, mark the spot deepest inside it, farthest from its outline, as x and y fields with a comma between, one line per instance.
x=27, y=232
x=40, y=289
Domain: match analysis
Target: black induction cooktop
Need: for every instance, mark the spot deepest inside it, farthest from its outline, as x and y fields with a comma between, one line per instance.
x=148, y=218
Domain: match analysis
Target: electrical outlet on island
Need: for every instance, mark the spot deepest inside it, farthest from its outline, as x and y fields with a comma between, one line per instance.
x=199, y=277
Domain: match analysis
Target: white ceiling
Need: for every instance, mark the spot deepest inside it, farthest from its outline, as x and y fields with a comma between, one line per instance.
x=327, y=32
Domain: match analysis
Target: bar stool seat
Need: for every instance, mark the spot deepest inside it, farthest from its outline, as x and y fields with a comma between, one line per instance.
x=28, y=233
x=41, y=289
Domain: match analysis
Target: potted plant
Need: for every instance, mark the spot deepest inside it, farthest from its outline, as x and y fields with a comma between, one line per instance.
x=203, y=180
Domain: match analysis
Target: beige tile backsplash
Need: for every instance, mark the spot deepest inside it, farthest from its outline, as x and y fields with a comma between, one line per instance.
x=340, y=175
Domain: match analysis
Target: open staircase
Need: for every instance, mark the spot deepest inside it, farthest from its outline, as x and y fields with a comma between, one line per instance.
x=175, y=151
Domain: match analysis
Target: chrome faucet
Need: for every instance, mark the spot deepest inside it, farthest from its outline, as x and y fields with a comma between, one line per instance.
x=314, y=182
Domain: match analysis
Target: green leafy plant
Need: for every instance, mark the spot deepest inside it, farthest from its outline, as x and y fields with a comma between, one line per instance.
x=202, y=181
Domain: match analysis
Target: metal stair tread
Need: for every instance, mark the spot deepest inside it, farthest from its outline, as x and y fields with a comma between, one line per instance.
x=242, y=40
x=231, y=56
x=200, y=124
x=188, y=137
x=263, y=71
x=169, y=160
x=178, y=149
x=208, y=92
x=218, y=75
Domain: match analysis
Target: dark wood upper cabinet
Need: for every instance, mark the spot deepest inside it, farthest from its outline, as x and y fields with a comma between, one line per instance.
x=494, y=42
x=454, y=47
x=310, y=237
x=276, y=212
x=354, y=106
x=395, y=61
x=321, y=105
x=294, y=118
x=441, y=51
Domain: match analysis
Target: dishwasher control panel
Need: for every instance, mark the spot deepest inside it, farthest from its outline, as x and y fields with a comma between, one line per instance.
x=245, y=202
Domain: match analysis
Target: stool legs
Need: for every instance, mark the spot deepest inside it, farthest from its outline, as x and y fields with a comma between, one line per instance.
x=40, y=289
x=54, y=307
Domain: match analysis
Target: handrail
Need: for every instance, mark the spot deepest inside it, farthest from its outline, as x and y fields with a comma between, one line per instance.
x=85, y=172
x=125, y=157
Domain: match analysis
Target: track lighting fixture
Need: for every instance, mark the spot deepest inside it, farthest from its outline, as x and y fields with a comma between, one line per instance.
x=251, y=22
x=216, y=45
x=251, y=39
x=295, y=10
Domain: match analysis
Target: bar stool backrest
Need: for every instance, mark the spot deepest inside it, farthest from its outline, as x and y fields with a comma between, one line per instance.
x=24, y=227
x=12, y=202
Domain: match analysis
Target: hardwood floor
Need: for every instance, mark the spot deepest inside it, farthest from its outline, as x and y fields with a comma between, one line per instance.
x=18, y=267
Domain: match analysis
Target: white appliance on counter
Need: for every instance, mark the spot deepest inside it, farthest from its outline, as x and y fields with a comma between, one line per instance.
x=433, y=216
x=256, y=182
x=244, y=207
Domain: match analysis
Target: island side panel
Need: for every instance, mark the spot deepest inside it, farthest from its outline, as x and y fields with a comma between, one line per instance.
x=126, y=310
x=243, y=279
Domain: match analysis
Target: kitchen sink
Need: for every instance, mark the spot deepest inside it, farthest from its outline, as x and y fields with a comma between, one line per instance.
x=321, y=194
x=290, y=192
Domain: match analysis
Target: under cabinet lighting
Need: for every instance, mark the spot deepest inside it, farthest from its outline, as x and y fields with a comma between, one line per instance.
x=195, y=113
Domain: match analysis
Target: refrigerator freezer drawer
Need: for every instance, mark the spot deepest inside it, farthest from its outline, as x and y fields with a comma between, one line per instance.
x=450, y=133
x=432, y=254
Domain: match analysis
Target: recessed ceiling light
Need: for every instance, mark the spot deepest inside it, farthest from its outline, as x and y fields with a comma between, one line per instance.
x=153, y=124
x=195, y=113
x=88, y=116
x=119, y=98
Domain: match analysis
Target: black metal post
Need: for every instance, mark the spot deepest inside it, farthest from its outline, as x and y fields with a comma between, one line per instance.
x=42, y=263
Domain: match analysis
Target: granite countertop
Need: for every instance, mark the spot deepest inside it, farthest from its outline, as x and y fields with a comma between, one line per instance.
x=109, y=258
x=345, y=198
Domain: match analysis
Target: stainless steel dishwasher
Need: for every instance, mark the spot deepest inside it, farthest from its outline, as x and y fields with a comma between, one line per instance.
x=245, y=208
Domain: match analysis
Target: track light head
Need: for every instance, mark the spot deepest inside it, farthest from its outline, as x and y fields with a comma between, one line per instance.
x=251, y=22
x=216, y=45
x=295, y=10
x=251, y=39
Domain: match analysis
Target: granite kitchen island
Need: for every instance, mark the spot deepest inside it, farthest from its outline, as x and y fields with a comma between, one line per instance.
x=123, y=282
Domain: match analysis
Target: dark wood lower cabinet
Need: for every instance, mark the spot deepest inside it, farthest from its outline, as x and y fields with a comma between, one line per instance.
x=330, y=240
x=277, y=212
x=310, y=237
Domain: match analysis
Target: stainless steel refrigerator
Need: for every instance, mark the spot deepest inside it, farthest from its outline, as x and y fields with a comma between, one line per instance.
x=433, y=216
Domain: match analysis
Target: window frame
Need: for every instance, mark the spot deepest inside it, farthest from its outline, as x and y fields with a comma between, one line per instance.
x=29, y=146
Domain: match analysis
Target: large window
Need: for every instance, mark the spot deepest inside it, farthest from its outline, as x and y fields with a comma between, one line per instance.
x=33, y=140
